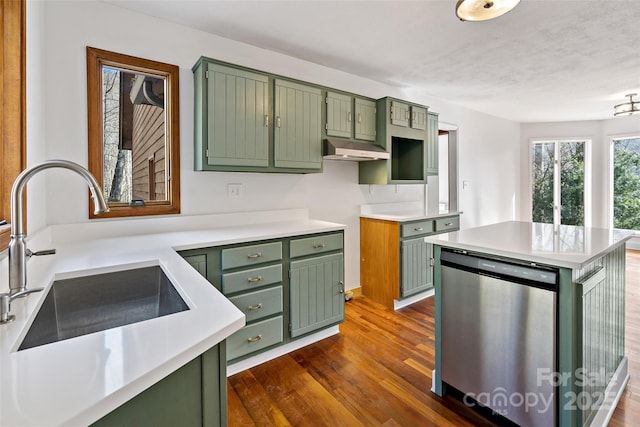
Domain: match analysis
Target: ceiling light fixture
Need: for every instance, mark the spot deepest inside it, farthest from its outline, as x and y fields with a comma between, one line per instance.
x=627, y=108
x=482, y=10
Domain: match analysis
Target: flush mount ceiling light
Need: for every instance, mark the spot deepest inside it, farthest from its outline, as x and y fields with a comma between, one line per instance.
x=482, y=10
x=627, y=108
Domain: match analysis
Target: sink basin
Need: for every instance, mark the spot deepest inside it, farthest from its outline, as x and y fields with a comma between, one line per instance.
x=87, y=304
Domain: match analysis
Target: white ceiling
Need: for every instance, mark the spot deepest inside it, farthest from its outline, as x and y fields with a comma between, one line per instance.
x=547, y=60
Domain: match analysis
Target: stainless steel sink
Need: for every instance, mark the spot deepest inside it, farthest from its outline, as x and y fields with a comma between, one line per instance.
x=88, y=304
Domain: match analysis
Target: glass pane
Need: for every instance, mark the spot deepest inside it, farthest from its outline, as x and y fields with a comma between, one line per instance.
x=626, y=183
x=542, y=177
x=572, y=183
x=134, y=136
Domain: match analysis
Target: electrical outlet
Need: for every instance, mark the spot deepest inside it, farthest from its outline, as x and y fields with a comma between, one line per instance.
x=234, y=190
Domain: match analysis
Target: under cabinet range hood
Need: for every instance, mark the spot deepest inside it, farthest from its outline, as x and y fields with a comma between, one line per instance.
x=337, y=149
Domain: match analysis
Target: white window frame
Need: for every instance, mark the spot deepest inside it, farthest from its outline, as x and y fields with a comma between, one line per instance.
x=556, y=172
x=609, y=195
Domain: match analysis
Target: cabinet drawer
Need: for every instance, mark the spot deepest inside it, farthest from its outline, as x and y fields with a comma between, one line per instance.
x=417, y=228
x=259, y=304
x=447, y=224
x=315, y=245
x=251, y=279
x=254, y=337
x=250, y=255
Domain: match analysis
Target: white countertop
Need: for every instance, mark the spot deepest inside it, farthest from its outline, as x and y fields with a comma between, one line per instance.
x=562, y=246
x=403, y=216
x=79, y=380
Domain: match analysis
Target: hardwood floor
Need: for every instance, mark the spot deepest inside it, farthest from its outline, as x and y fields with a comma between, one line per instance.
x=377, y=372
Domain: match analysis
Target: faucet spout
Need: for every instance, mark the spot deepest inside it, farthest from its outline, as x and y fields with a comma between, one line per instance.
x=17, y=246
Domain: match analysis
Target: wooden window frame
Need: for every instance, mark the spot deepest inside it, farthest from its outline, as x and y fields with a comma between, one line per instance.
x=96, y=58
x=12, y=104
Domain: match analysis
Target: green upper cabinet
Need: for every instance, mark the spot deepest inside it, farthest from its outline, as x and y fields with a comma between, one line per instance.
x=238, y=107
x=339, y=115
x=298, y=131
x=418, y=117
x=350, y=117
x=432, y=144
x=399, y=113
x=365, y=119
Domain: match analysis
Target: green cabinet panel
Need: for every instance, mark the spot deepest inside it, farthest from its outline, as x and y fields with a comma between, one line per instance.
x=399, y=113
x=244, y=256
x=315, y=245
x=316, y=293
x=298, y=132
x=416, y=272
x=339, y=115
x=194, y=395
x=199, y=262
x=418, y=117
x=259, y=304
x=246, y=280
x=365, y=119
x=254, y=337
x=238, y=107
x=432, y=144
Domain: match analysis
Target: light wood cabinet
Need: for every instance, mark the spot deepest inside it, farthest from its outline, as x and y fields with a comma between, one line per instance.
x=395, y=261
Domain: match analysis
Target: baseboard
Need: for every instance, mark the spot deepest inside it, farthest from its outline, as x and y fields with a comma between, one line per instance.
x=612, y=394
x=280, y=351
x=415, y=298
x=357, y=292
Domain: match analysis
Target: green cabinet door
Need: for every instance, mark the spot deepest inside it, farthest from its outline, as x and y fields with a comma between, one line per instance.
x=298, y=128
x=432, y=144
x=339, y=115
x=365, y=119
x=316, y=293
x=416, y=272
x=418, y=117
x=400, y=113
x=238, y=108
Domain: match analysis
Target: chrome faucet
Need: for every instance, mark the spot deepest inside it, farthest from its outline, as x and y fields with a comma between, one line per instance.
x=18, y=252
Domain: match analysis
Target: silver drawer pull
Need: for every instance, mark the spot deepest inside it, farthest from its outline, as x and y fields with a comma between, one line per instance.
x=255, y=339
x=266, y=121
x=255, y=256
x=319, y=246
x=254, y=307
x=448, y=224
x=254, y=279
x=418, y=229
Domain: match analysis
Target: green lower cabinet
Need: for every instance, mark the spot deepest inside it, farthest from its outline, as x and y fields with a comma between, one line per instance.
x=416, y=272
x=317, y=293
x=194, y=395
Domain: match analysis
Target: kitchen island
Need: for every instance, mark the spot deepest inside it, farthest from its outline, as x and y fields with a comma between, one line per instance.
x=80, y=380
x=524, y=291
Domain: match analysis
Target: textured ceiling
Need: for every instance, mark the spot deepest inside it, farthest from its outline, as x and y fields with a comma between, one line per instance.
x=547, y=60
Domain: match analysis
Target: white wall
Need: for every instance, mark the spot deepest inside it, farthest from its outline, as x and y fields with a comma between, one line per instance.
x=334, y=195
x=600, y=133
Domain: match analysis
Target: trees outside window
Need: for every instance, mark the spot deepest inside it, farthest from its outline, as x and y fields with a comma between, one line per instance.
x=626, y=183
x=558, y=182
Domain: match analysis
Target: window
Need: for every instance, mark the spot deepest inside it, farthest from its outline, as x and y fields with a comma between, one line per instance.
x=558, y=182
x=626, y=183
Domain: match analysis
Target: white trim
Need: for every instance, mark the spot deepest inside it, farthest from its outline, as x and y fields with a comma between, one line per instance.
x=612, y=394
x=397, y=304
x=281, y=350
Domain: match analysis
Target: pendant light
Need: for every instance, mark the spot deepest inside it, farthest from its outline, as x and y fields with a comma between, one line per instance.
x=482, y=10
x=627, y=108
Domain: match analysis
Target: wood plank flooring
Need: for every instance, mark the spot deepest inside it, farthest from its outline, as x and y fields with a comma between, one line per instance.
x=377, y=372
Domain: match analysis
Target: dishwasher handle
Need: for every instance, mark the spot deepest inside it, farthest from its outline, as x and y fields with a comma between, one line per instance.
x=541, y=277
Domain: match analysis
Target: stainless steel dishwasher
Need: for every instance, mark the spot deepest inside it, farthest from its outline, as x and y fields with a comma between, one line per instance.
x=499, y=335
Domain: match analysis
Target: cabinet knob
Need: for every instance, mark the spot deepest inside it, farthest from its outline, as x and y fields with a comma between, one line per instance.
x=255, y=256
x=278, y=122
x=319, y=246
x=418, y=229
x=349, y=116
x=254, y=279
x=448, y=224
x=266, y=120
x=359, y=118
